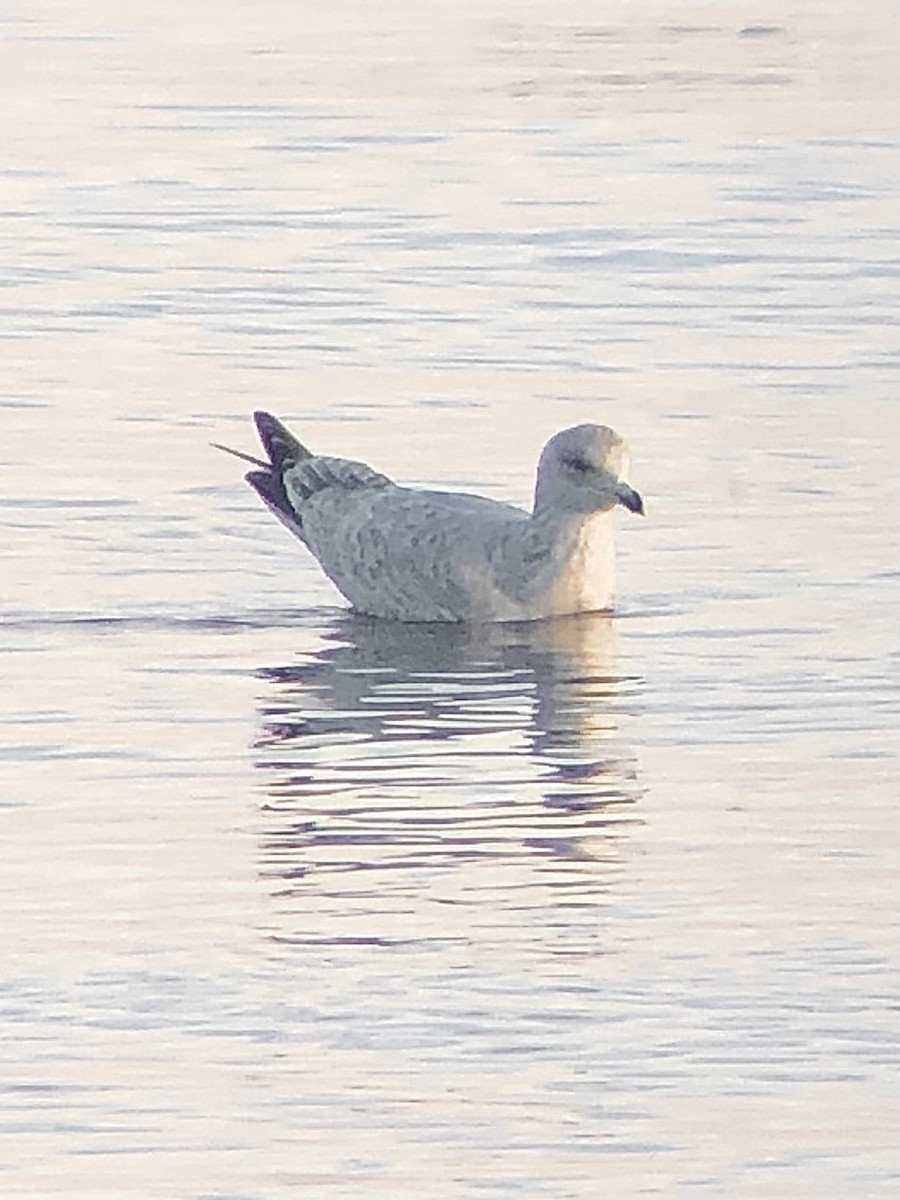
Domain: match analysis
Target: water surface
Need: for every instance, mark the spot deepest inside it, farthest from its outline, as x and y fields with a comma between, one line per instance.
x=297, y=903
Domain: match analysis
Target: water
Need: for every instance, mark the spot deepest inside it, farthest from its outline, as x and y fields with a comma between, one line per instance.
x=297, y=903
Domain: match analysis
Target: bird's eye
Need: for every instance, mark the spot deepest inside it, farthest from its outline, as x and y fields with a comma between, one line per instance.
x=574, y=463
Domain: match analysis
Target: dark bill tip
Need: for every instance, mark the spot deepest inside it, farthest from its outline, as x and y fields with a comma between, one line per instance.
x=631, y=499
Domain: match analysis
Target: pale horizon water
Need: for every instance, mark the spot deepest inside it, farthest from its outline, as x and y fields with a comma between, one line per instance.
x=301, y=904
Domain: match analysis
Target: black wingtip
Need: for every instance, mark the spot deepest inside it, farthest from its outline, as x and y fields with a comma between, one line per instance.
x=278, y=441
x=269, y=488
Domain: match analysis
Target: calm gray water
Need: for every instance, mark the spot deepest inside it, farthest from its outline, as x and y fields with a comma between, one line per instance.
x=296, y=903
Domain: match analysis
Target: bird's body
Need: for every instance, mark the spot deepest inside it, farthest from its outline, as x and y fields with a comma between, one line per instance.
x=414, y=555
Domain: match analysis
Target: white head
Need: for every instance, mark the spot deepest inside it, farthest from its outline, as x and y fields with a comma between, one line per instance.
x=581, y=471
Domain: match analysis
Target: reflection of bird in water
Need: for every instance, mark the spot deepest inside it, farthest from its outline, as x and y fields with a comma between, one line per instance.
x=413, y=555
x=432, y=743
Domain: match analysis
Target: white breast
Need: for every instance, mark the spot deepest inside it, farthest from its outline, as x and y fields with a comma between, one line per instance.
x=586, y=577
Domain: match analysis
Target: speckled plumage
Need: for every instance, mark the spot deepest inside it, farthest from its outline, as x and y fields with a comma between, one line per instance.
x=414, y=555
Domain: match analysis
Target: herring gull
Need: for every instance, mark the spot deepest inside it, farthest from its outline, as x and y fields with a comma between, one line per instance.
x=408, y=554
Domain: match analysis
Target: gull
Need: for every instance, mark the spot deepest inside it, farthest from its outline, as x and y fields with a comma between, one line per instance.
x=410, y=554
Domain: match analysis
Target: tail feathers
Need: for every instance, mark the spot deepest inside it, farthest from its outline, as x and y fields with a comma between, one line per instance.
x=308, y=473
x=279, y=443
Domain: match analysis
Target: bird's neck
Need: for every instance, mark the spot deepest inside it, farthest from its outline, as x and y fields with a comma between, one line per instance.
x=560, y=524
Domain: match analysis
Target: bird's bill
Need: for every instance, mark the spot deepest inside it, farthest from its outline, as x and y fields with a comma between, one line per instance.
x=631, y=499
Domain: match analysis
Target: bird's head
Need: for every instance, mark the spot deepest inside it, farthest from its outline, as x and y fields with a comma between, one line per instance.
x=582, y=469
